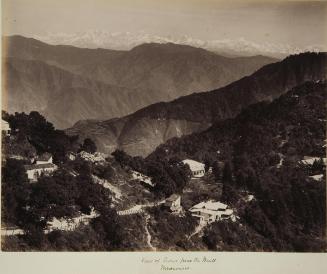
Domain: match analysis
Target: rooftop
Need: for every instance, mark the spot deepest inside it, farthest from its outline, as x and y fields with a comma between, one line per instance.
x=309, y=160
x=194, y=165
x=44, y=157
x=172, y=198
x=210, y=205
x=4, y=125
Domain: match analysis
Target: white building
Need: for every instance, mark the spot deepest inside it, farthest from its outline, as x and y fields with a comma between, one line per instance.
x=196, y=168
x=42, y=166
x=174, y=203
x=35, y=171
x=211, y=211
x=5, y=128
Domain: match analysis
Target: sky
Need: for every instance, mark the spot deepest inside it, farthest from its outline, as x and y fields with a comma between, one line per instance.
x=298, y=23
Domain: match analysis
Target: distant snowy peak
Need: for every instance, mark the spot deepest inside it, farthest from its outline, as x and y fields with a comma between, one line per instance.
x=128, y=40
x=102, y=39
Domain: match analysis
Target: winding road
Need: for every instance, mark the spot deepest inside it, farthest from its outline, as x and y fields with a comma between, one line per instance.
x=139, y=208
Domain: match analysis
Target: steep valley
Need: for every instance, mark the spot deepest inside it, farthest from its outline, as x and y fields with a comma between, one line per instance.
x=141, y=132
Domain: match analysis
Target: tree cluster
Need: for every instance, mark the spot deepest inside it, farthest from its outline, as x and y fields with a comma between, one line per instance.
x=168, y=176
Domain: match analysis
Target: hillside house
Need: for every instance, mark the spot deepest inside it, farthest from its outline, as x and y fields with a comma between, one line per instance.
x=35, y=171
x=174, y=203
x=196, y=168
x=45, y=158
x=211, y=211
x=42, y=165
x=5, y=128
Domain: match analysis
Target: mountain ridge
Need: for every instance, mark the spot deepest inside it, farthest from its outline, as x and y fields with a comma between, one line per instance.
x=146, y=75
x=29, y=79
x=297, y=103
x=159, y=122
x=128, y=40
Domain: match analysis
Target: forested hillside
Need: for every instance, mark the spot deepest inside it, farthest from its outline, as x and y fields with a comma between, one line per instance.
x=78, y=206
x=267, y=164
x=263, y=149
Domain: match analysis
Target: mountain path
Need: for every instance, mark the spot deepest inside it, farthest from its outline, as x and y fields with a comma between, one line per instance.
x=139, y=208
x=148, y=235
x=197, y=230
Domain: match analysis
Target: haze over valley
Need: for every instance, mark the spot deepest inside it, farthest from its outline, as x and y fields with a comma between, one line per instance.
x=68, y=84
x=141, y=132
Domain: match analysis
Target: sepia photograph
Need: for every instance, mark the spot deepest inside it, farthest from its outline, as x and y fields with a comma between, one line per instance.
x=143, y=125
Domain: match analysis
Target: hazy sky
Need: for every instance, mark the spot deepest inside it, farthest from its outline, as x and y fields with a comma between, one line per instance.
x=296, y=23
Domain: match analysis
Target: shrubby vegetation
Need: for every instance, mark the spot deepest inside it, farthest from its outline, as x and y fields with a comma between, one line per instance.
x=168, y=176
x=171, y=231
x=34, y=130
x=229, y=236
x=68, y=192
x=31, y=206
x=88, y=146
x=15, y=191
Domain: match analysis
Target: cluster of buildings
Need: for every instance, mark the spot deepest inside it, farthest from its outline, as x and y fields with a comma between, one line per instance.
x=42, y=165
x=206, y=212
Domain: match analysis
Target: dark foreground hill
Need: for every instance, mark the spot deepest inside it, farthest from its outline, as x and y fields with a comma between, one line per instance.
x=141, y=132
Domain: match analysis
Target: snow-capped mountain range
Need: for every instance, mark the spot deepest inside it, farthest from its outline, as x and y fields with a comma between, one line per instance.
x=128, y=40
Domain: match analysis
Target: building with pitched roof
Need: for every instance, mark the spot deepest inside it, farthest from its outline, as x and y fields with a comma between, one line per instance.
x=196, y=168
x=45, y=158
x=174, y=203
x=211, y=211
x=5, y=128
x=42, y=166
